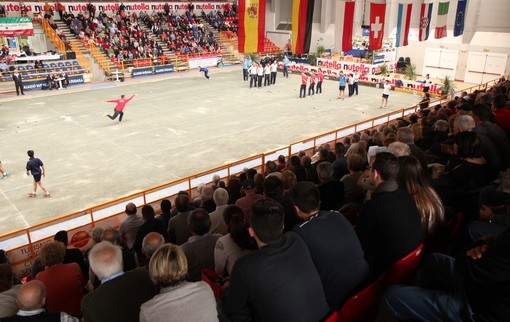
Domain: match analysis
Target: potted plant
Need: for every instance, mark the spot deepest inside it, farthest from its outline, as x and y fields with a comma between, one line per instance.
x=320, y=50
x=447, y=86
x=410, y=72
x=383, y=70
x=312, y=59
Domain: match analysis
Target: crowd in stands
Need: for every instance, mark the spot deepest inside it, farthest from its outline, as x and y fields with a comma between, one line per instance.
x=286, y=244
x=225, y=20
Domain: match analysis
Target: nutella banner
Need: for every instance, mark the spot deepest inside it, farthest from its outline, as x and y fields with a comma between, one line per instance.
x=13, y=7
x=349, y=66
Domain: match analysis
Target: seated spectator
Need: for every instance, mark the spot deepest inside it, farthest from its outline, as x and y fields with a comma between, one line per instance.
x=129, y=259
x=333, y=245
x=235, y=244
x=166, y=212
x=389, y=225
x=199, y=249
x=150, y=224
x=501, y=112
x=129, y=227
x=50, y=81
x=121, y=293
x=250, y=198
x=353, y=192
x=178, y=299
x=331, y=192
x=8, y=291
x=475, y=286
x=178, y=232
x=31, y=300
x=73, y=255
x=218, y=225
x=64, y=282
x=340, y=163
x=150, y=243
x=280, y=261
x=273, y=189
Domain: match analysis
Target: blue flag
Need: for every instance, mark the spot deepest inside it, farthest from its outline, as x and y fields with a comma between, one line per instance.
x=458, y=28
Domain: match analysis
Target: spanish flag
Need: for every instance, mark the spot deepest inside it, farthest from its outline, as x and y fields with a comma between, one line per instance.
x=252, y=25
x=302, y=15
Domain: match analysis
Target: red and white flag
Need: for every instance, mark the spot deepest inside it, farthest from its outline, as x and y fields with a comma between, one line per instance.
x=442, y=15
x=348, y=26
x=377, y=13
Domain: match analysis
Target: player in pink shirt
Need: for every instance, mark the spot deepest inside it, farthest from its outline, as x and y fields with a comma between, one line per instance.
x=311, y=88
x=304, y=82
x=118, y=110
x=320, y=76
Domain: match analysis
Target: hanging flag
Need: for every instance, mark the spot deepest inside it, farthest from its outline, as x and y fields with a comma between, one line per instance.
x=425, y=18
x=442, y=15
x=377, y=13
x=302, y=15
x=458, y=29
x=403, y=23
x=252, y=25
x=348, y=26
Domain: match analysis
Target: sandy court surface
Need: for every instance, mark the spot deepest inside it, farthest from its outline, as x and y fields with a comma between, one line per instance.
x=175, y=127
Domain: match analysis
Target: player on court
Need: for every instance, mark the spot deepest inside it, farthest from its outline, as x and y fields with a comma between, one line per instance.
x=385, y=94
x=118, y=110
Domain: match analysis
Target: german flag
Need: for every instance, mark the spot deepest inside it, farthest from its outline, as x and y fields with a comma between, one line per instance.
x=302, y=15
x=252, y=25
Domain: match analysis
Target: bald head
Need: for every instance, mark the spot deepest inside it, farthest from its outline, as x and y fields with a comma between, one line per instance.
x=131, y=209
x=31, y=296
x=151, y=242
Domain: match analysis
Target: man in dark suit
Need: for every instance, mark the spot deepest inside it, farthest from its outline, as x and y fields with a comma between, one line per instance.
x=18, y=82
x=120, y=294
x=150, y=224
x=279, y=281
x=333, y=244
x=389, y=226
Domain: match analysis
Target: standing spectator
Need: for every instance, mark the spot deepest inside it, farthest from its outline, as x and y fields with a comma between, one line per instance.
x=129, y=227
x=282, y=268
x=36, y=167
x=178, y=300
x=18, y=82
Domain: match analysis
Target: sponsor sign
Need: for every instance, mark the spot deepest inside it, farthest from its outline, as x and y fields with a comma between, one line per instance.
x=141, y=71
x=206, y=61
x=16, y=26
x=163, y=69
x=38, y=84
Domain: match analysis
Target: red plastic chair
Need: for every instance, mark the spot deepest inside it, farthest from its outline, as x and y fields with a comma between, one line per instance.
x=364, y=305
x=332, y=317
x=404, y=270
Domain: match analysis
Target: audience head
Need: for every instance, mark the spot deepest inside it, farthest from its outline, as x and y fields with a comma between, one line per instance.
x=399, y=149
x=273, y=188
x=216, y=178
x=463, y=123
x=324, y=171
x=199, y=222
x=266, y=221
x=105, y=259
x=295, y=161
x=385, y=167
x=61, y=236
x=151, y=242
x=112, y=235
x=207, y=193
x=166, y=206
x=355, y=163
x=31, y=296
x=271, y=167
x=52, y=253
x=238, y=228
x=182, y=203
x=467, y=145
x=481, y=112
x=410, y=173
x=130, y=209
x=220, y=197
x=97, y=233
x=250, y=173
x=148, y=212
x=168, y=265
x=248, y=185
x=6, y=277
x=288, y=179
x=305, y=197
x=406, y=135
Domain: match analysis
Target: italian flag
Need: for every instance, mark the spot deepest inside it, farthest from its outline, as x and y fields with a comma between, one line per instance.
x=16, y=26
x=442, y=15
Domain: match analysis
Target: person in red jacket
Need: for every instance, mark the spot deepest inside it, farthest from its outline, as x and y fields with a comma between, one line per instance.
x=118, y=110
x=304, y=82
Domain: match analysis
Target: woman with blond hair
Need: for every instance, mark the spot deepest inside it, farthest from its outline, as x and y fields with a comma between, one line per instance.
x=430, y=207
x=178, y=300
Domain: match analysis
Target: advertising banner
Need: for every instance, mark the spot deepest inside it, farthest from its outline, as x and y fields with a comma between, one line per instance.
x=163, y=69
x=160, y=69
x=38, y=84
x=206, y=61
x=16, y=26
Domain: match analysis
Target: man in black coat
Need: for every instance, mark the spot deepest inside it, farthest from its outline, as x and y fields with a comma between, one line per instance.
x=149, y=225
x=333, y=245
x=389, y=226
x=18, y=82
x=278, y=282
